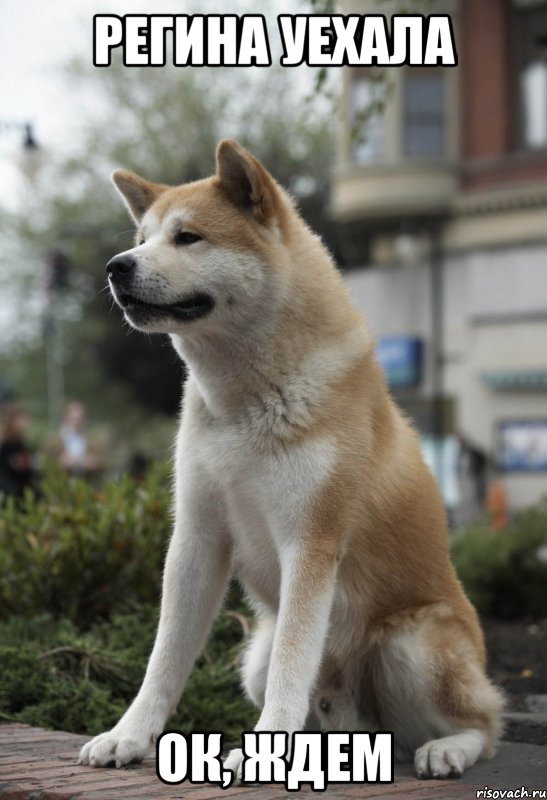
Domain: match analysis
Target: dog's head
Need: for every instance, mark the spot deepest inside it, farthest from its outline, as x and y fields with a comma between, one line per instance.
x=204, y=250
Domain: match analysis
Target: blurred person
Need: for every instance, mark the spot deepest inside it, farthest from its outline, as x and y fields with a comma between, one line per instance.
x=139, y=464
x=74, y=452
x=496, y=504
x=441, y=456
x=18, y=470
x=471, y=474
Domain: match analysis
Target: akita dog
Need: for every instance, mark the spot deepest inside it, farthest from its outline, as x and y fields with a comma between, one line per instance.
x=296, y=472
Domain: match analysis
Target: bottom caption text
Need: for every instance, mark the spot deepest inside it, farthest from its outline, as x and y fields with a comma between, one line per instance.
x=316, y=759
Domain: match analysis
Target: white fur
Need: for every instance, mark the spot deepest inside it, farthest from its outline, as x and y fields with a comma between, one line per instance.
x=196, y=572
x=256, y=660
x=449, y=756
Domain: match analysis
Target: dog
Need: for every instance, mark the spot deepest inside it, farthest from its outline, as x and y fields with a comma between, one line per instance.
x=296, y=471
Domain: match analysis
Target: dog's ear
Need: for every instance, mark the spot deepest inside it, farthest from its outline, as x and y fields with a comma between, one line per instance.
x=138, y=194
x=246, y=182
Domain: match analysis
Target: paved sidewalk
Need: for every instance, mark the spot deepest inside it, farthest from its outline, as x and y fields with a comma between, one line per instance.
x=36, y=764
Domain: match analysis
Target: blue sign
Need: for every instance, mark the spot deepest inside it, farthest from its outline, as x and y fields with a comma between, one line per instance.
x=522, y=445
x=401, y=358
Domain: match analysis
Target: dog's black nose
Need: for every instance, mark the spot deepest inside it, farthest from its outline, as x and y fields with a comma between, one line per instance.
x=120, y=266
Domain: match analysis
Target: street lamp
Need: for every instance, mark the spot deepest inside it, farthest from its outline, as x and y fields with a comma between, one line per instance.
x=57, y=282
x=408, y=245
x=29, y=163
x=436, y=265
x=29, y=142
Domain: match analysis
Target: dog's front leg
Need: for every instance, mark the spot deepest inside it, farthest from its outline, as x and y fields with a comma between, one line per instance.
x=195, y=577
x=308, y=575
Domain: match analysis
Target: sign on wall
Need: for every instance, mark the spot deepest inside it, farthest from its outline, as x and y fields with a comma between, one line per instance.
x=522, y=445
x=401, y=358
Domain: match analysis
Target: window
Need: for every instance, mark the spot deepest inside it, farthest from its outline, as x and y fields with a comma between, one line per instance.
x=423, y=114
x=530, y=38
x=534, y=104
x=367, y=122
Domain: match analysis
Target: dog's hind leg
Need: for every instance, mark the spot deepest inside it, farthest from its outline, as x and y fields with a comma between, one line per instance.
x=472, y=708
x=256, y=660
x=433, y=692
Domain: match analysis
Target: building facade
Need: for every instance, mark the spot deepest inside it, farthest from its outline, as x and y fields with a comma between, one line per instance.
x=440, y=194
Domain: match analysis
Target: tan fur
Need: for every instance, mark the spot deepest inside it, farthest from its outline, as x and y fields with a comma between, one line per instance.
x=362, y=620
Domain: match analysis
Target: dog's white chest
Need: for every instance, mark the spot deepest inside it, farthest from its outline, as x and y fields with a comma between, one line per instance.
x=267, y=486
x=267, y=494
x=268, y=501
x=276, y=486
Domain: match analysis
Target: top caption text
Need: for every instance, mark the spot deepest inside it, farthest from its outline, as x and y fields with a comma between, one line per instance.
x=316, y=40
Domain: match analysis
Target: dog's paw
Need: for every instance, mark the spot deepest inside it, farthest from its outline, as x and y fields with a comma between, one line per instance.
x=115, y=748
x=234, y=761
x=438, y=759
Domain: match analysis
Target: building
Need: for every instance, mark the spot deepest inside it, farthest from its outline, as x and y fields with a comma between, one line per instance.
x=441, y=201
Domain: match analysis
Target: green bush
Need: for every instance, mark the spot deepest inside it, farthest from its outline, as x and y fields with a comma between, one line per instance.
x=80, y=576
x=80, y=552
x=502, y=572
x=54, y=676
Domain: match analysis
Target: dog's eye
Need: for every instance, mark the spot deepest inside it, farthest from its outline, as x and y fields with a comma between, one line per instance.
x=324, y=705
x=185, y=237
x=141, y=241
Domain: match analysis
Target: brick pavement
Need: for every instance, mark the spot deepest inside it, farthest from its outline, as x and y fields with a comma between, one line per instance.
x=36, y=764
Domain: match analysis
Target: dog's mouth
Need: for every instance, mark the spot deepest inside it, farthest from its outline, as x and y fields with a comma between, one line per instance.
x=190, y=307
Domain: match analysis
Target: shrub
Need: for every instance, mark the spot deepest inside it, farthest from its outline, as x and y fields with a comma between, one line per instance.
x=80, y=575
x=80, y=552
x=502, y=572
x=53, y=675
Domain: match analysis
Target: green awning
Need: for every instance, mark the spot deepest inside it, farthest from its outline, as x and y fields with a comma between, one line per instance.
x=516, y=380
